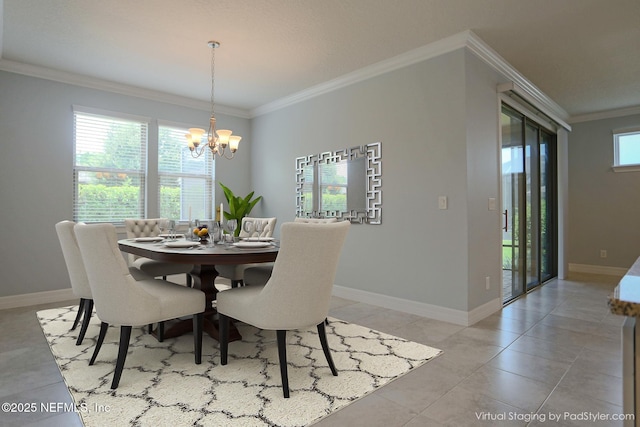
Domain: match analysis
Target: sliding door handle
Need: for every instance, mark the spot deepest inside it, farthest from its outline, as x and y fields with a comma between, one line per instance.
x=506, y=220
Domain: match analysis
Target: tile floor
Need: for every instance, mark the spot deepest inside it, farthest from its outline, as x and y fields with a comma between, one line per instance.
x=555, y=351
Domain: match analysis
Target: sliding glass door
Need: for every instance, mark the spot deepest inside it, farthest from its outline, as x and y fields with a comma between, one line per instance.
x=528, y=204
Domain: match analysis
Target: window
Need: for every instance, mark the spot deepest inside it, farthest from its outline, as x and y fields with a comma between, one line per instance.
x=185, y=187
x=333, y=186
x=109, y=166
x=626, y=145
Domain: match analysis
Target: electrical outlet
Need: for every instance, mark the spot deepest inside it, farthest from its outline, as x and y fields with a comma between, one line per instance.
x=442, y=202
x=487, y=282
x=603, y=253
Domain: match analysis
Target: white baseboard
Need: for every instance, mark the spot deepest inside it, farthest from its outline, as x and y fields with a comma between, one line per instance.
x=597, y=269
x=25, y=300
x=458, y=317
x=485, y=310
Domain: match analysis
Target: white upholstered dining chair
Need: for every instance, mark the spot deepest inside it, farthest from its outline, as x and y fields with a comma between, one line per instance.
x=258, y=274
x=298, y=293
x=121, y=300
x=149, y=227
x=77, y=275
x=235, y=273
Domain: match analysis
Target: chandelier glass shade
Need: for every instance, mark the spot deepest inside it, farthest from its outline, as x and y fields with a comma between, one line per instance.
x=219, y=141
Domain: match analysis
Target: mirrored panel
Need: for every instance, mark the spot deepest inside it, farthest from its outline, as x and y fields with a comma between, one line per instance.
x=346, y=184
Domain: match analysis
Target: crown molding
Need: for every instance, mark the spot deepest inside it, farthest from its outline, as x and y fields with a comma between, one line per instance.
x=107, y=86
x=466, y=39
x=411, y=57
x=531, y=91
x=609, y=114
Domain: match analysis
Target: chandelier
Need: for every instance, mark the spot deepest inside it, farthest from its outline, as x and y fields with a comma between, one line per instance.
x=218, y=140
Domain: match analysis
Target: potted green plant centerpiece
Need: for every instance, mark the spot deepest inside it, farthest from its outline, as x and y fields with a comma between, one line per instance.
x=238, y=207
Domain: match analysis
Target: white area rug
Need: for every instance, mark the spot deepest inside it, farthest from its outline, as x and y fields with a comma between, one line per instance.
x=162, y=386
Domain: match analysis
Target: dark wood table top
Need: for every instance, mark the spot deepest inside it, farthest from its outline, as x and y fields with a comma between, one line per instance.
x=201, y=254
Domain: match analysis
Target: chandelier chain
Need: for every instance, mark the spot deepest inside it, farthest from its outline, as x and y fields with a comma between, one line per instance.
x=218, y=140
x=213, y=62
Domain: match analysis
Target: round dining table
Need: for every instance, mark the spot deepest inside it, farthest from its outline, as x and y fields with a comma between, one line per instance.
x=204, y=258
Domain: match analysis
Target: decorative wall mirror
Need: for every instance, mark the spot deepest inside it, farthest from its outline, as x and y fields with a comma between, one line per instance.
x=345, y=184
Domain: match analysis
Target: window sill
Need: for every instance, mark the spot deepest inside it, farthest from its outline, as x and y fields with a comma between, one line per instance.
x=626, y=168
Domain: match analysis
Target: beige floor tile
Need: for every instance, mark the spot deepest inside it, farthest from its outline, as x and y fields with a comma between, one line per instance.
x=546, y=349
x=609, y=344
x=421, y=388
x=522, y=312
x=461, y=407
x=512, y=389
x=569, y=405
x=496, y=337
x=559, y=336
x=608, y=363
x=580, y=325
x=427, y=331
x=558, y=347
x=354, y=312
x=594, y=384
x=533, y=367
x=504, y=323
x=388, y=321
x=372, y=410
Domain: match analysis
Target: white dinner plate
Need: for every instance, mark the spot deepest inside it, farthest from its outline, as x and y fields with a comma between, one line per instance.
x=181, y=244
x=258, y=239
x=149, y=239
x=246, y=244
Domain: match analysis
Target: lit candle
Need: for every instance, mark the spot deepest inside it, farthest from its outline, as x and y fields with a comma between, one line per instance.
x=221, y=213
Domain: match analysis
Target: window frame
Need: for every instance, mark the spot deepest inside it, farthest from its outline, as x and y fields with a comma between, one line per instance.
x=209, y=177
x=617, y=167
x=141, y=173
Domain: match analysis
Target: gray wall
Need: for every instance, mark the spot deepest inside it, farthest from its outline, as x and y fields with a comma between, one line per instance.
x=438, y=123
x=604, y=206
x=36, y=140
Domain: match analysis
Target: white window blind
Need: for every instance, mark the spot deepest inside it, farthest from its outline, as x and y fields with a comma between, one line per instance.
x=185, y=183
x=109, y=167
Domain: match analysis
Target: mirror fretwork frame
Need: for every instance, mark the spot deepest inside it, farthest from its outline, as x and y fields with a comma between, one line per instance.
x=344, y=184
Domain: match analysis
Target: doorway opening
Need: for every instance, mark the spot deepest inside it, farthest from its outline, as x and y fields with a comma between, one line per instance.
x=529, y=204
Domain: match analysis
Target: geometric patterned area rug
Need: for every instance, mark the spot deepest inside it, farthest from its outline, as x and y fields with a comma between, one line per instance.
x=161, y=385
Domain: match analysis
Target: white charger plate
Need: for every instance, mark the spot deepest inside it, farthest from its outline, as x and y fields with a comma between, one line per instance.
x=149, y=239
x=246, y=244
x=181, y=244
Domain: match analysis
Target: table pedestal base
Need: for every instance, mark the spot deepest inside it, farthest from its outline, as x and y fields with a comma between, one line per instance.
x=204, y=277
x=209, y=325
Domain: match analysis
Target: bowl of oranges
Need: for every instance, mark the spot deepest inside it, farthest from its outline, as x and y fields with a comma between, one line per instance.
x=201, y=232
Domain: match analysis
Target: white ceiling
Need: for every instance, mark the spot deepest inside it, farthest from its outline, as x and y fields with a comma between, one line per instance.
x=584, y=54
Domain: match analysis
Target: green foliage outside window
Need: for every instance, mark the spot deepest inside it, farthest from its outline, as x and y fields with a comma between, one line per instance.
x=100, y=203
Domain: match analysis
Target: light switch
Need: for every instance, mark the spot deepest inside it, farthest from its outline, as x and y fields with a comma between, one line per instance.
x=442, y=202
x=492, y=204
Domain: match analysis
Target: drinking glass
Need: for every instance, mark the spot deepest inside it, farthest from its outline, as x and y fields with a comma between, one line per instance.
x=248, y=228
x=172, y=230
x=211, y=236
x=162, y=225
x=231, y=227
x=259, y=226
x=217, y=232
